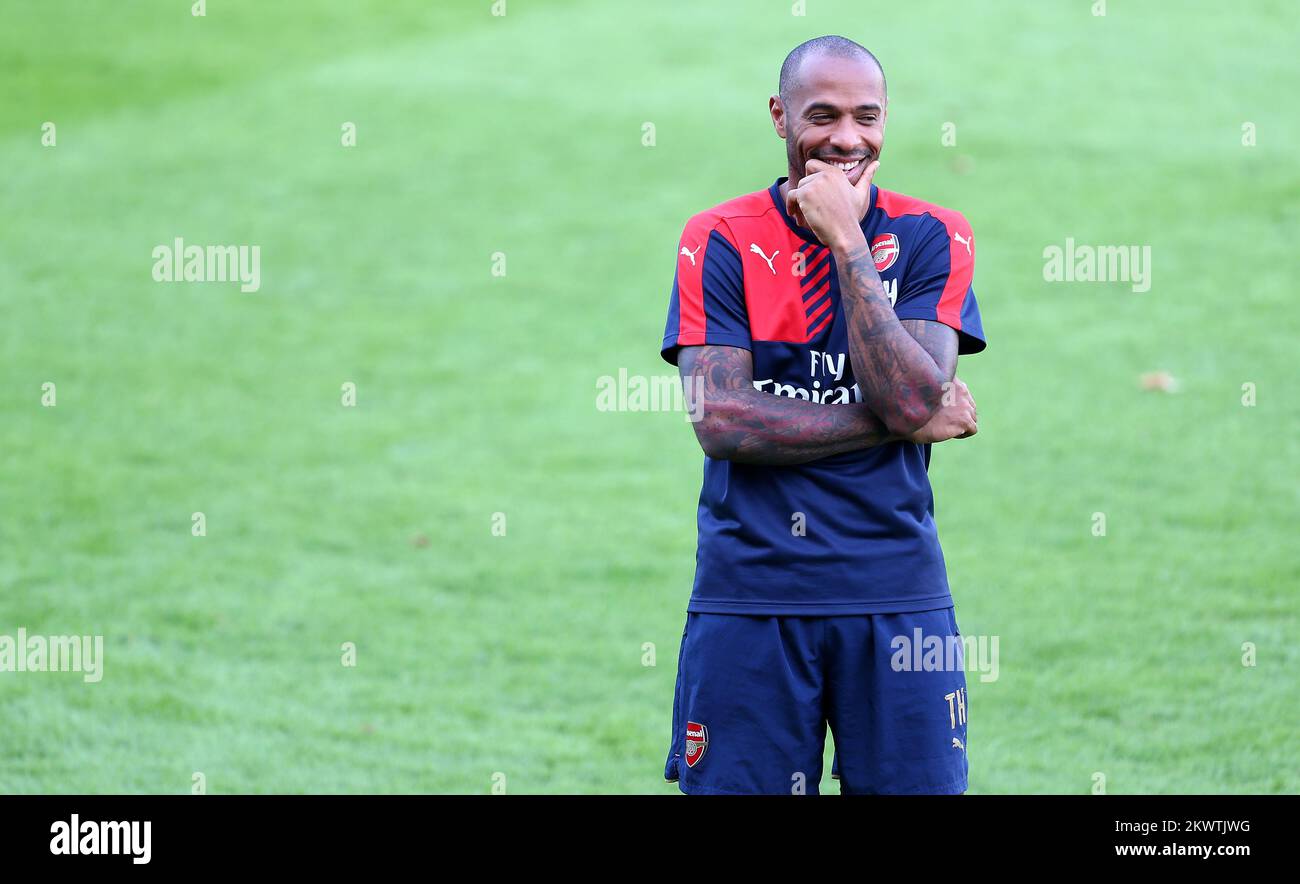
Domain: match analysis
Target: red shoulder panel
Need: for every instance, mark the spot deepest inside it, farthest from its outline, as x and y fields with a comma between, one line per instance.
x=961, y=248
x=690, y=261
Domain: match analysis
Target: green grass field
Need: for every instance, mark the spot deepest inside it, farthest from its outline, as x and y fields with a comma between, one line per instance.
x=523, y=654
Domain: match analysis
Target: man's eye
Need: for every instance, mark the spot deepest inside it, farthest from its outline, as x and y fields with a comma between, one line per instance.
x=867, y=120
x=821, y=118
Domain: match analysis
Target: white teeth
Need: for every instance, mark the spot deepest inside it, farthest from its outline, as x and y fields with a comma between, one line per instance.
x=847, y=167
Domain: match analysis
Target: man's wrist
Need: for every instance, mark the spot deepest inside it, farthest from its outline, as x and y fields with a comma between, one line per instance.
x=848, y=242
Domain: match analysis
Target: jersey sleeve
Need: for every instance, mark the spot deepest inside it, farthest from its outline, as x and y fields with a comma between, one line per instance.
x=937, y=284
x=708, y=300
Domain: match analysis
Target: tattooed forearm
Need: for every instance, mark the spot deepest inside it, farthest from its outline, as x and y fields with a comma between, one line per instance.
x=937, y=339
x=899, y=379
x=739, y=423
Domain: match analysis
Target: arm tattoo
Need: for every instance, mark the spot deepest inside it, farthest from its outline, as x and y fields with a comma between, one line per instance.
x=937, y=339
x=739, y=423
x=899, y=379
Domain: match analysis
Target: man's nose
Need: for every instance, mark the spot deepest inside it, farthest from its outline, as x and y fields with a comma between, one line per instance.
x=844, y=137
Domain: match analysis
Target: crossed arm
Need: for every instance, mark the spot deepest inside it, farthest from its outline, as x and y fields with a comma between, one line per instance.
x=739, y=423
x=902, y=366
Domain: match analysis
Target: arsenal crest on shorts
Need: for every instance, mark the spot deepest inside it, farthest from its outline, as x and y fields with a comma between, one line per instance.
x=884, y=251
x=697, y=740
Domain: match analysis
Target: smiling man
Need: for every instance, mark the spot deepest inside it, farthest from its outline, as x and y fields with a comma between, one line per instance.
x=816, y=325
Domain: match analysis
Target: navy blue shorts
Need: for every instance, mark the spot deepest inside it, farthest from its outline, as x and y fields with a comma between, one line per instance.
x=755, y=694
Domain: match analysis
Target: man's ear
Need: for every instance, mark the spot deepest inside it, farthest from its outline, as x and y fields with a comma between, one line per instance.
x=777, y=109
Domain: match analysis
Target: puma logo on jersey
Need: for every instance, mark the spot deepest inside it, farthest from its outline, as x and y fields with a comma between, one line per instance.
x=957, y=744
x=688, y=253
x=966, y=242
x=753, y=247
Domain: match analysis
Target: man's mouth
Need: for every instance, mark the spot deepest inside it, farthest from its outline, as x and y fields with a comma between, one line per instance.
x=846, y=166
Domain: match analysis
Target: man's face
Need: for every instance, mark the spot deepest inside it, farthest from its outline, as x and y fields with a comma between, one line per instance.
x=836, y=113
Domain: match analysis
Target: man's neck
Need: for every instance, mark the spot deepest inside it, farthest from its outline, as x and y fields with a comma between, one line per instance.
x=791, y=175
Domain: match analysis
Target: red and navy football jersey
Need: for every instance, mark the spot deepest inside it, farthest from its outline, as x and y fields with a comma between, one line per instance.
x=853, y=533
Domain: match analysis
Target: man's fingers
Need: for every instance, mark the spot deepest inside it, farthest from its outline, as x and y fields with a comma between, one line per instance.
x=812, y=167
x=963, y=392
x=792, y=207
x=864, y=183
